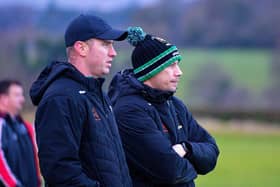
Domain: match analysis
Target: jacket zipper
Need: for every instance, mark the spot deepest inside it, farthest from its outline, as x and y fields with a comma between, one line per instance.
x=174, y=117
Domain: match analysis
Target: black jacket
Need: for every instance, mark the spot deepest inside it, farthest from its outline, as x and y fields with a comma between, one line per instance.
x=77, y=136
x=150, y=122
x=18, y=153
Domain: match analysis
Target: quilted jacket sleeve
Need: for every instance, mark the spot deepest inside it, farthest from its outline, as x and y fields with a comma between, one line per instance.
x=203, y=146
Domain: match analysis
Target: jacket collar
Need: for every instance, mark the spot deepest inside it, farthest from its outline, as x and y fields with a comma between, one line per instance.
x=91, y=84
x=7, y=117
x=3, y=114
x=154, y=95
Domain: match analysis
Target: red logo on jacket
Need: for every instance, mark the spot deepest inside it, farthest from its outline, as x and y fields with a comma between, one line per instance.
x=164, y=128
x=95, y=114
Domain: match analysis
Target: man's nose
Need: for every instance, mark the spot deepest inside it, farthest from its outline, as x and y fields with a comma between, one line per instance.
x=112, y=51
x=178, y=71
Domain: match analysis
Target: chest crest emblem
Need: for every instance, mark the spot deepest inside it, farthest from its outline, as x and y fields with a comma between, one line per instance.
x=95, y=114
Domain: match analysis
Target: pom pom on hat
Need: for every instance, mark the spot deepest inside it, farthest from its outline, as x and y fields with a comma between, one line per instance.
x=135, y=35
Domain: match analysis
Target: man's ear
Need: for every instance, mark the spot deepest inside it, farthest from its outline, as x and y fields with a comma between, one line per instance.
x=81, y=48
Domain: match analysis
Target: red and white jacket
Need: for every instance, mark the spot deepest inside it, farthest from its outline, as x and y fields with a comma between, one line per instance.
x=8, y=173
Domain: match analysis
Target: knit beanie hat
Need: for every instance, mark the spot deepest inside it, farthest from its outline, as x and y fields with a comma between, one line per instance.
x=151, y=54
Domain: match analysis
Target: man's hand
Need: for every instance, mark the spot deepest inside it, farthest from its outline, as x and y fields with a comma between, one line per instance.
x=179, y=149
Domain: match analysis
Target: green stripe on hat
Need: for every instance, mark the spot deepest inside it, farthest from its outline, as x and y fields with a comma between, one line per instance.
x=160, y=68
x=155, y=59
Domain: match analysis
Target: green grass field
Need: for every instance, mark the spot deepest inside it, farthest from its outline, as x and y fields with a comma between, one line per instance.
x=246, y=160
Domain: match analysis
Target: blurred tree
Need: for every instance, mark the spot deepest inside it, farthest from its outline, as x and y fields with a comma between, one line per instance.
x=275, y=67
x=18, y=16
x=36, y=54
x=242, y=23
x=213, y=88
x=218, y=23
x=272, y=93
x=163, y=19
x=210, y=85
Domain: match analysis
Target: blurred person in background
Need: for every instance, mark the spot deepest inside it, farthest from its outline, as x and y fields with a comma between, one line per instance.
x=165, y=146
x=77, y=135
x=18, y=154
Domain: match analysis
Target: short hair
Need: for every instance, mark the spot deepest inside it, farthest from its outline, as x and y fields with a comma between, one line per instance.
x=71, y=48
x=6, y=84
x=68, y=51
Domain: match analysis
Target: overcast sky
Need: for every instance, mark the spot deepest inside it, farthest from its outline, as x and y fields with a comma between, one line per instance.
x=81, y=4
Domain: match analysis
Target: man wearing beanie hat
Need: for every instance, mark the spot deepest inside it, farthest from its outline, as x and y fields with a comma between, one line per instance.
x=164, y=144
x=78, y=140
